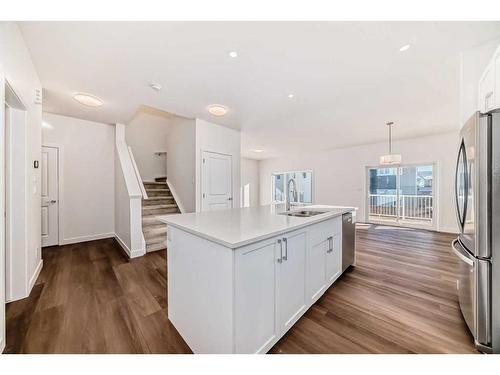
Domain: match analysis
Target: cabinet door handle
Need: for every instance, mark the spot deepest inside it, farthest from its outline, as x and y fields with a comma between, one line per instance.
x=286, y=249
x=280, y=258
x=330, y=244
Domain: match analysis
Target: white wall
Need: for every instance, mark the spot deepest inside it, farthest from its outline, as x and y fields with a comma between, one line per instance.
x=17, y=68
x=128, y=199
x=181, y=152
x=216, y=138
x=87, y=200
x=472, y=65
x=250, y=182
x=340, y=179
x=122, y=212
x=17, y=285
x=147, y=133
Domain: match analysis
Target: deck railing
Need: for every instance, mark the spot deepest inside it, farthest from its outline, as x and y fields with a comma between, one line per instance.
x=409, y=207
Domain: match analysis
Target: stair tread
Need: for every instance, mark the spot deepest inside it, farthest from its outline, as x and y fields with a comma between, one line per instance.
x=154, y=225
x=157, y=239
x=156, y=247
x=151, y=216
x=158, y=206
x=160, y=199
x=153, y=230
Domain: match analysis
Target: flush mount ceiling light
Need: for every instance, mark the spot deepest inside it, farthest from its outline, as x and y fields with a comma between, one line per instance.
x=258, y=150
x=290, y=96
x=87, y=99
x=217, y=110
x=390, y=158
x=155, y=86
x=404, y=48
x=233, y=54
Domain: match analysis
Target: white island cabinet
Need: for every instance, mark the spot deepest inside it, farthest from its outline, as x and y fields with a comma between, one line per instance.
x=239, y=279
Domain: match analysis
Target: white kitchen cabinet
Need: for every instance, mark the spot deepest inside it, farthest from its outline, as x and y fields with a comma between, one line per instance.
x=267, y=306
x=324, y=257
x=334, y=258
x=255, y=297
x=486, y=89
x=496, y=80
x=489, y=85
x=234, y=296
x=292, y=278
x=316, y=264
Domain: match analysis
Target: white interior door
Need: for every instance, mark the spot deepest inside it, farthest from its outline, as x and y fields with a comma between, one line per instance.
x=216, y=181
x=50, y=196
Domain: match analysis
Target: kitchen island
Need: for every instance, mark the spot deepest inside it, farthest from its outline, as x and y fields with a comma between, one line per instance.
x=238, y=279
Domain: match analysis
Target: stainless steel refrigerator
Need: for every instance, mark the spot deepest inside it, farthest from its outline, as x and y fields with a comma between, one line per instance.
x=477, y=196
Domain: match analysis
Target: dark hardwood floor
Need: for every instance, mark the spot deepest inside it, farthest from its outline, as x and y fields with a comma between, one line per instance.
x=400, y=298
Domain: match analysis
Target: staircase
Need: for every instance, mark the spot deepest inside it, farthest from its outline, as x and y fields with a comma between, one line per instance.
x=160, y=202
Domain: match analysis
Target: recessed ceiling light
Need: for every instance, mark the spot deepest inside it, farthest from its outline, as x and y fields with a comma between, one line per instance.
x=405, y=47
x=46, y=125
x=258, y=150
x=233, y=54
x=217, y=109
x=291, y=96
x=155, y=86
x=87, y=99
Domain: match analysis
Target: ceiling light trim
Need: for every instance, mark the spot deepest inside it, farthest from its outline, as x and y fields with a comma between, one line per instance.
x=406, y=47
x=88, y=100
x=218, y=110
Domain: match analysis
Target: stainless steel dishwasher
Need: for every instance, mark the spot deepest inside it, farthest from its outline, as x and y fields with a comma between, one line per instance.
x=348, y=241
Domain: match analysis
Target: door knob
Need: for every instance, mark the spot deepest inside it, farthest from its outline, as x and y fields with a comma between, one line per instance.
x=53, y=201
x=230, y=199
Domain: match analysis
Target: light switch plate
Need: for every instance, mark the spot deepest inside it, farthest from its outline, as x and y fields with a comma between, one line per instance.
x=37, y=98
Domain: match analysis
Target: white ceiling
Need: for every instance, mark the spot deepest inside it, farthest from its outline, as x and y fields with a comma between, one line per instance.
x=348, y=78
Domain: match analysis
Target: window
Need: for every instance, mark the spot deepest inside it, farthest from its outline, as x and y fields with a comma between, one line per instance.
x=402, y=194
x=303, y=180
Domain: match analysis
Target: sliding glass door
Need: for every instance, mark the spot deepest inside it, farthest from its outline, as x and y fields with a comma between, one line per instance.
x=401, y=195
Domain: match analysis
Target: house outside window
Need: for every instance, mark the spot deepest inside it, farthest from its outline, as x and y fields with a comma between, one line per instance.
x=303, y=180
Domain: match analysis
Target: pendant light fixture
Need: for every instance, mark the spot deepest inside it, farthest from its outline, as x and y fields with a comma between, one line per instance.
x=390, y=159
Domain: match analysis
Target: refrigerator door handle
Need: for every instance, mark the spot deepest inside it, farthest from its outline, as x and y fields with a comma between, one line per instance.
x=461, y=209
x=459, y=252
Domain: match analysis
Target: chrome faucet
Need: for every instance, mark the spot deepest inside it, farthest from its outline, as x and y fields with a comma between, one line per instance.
x=294, y=192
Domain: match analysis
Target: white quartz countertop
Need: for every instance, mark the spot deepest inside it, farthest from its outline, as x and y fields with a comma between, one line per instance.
x=242, y=226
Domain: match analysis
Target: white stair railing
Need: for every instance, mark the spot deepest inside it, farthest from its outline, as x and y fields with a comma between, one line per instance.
x=137, y=174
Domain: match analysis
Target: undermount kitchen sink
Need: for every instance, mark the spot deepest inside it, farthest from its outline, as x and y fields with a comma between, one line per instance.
x=303, y=213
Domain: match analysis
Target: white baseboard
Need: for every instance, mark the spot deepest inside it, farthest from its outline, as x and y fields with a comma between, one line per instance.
x=91, y=237
x=33, y=278
x=131, y=254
